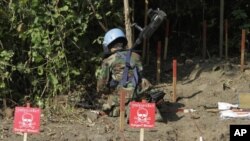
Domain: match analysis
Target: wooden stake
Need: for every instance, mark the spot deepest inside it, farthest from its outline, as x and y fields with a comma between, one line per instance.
x=128, y=23
x=226, y=39
x=166, y=41
x=145, y=23
x=204, y=49
x=243, y=41
x=174, y=80
x=158, y=73
x=122, y=94
x=221, y=28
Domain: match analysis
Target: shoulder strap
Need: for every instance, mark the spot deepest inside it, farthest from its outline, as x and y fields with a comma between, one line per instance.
x=125, y=72
x=125, y=78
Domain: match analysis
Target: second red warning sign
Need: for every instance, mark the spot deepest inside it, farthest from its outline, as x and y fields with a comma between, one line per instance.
x=142, y=115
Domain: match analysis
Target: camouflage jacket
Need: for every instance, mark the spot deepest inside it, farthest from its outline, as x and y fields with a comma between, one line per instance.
x=112, y=69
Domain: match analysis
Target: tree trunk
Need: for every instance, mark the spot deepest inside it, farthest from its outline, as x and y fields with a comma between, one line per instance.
x=221, y=26
x=128, y=23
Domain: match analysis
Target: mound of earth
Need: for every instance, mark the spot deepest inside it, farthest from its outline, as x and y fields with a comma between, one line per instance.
x=200, y=85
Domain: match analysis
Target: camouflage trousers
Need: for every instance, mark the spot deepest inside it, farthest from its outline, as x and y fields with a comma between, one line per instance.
x=112, y=104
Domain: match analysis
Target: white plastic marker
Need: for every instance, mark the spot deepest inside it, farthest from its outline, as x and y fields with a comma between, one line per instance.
x=25, y=135
x=142, y=134
x=142, y=129
x=201, y=138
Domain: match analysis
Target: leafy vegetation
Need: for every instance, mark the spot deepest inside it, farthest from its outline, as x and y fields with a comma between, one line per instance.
x=45, y=47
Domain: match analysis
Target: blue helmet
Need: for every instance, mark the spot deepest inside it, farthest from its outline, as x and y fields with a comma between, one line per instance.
x=111, y=36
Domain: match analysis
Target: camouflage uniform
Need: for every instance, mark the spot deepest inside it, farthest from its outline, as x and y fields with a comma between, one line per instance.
x=110, y=72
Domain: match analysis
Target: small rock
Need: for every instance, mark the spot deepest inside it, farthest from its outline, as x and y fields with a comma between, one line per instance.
x=91, y=117
x=5, y=128
x=194, y=116
x=41, y=130
x=106, y=107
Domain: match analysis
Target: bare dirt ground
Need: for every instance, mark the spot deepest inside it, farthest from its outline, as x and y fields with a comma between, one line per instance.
x=200, y=85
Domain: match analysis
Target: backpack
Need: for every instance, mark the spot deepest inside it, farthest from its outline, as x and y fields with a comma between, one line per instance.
x=133, y=78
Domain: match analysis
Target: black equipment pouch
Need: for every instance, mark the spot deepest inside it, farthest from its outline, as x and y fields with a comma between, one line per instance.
x=156, y=96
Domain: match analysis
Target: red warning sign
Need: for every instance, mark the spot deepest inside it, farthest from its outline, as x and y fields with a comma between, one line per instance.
x=142, y=115
x=27, y=120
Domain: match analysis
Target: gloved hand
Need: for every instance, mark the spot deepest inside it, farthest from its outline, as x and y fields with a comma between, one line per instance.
x=145, y=85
